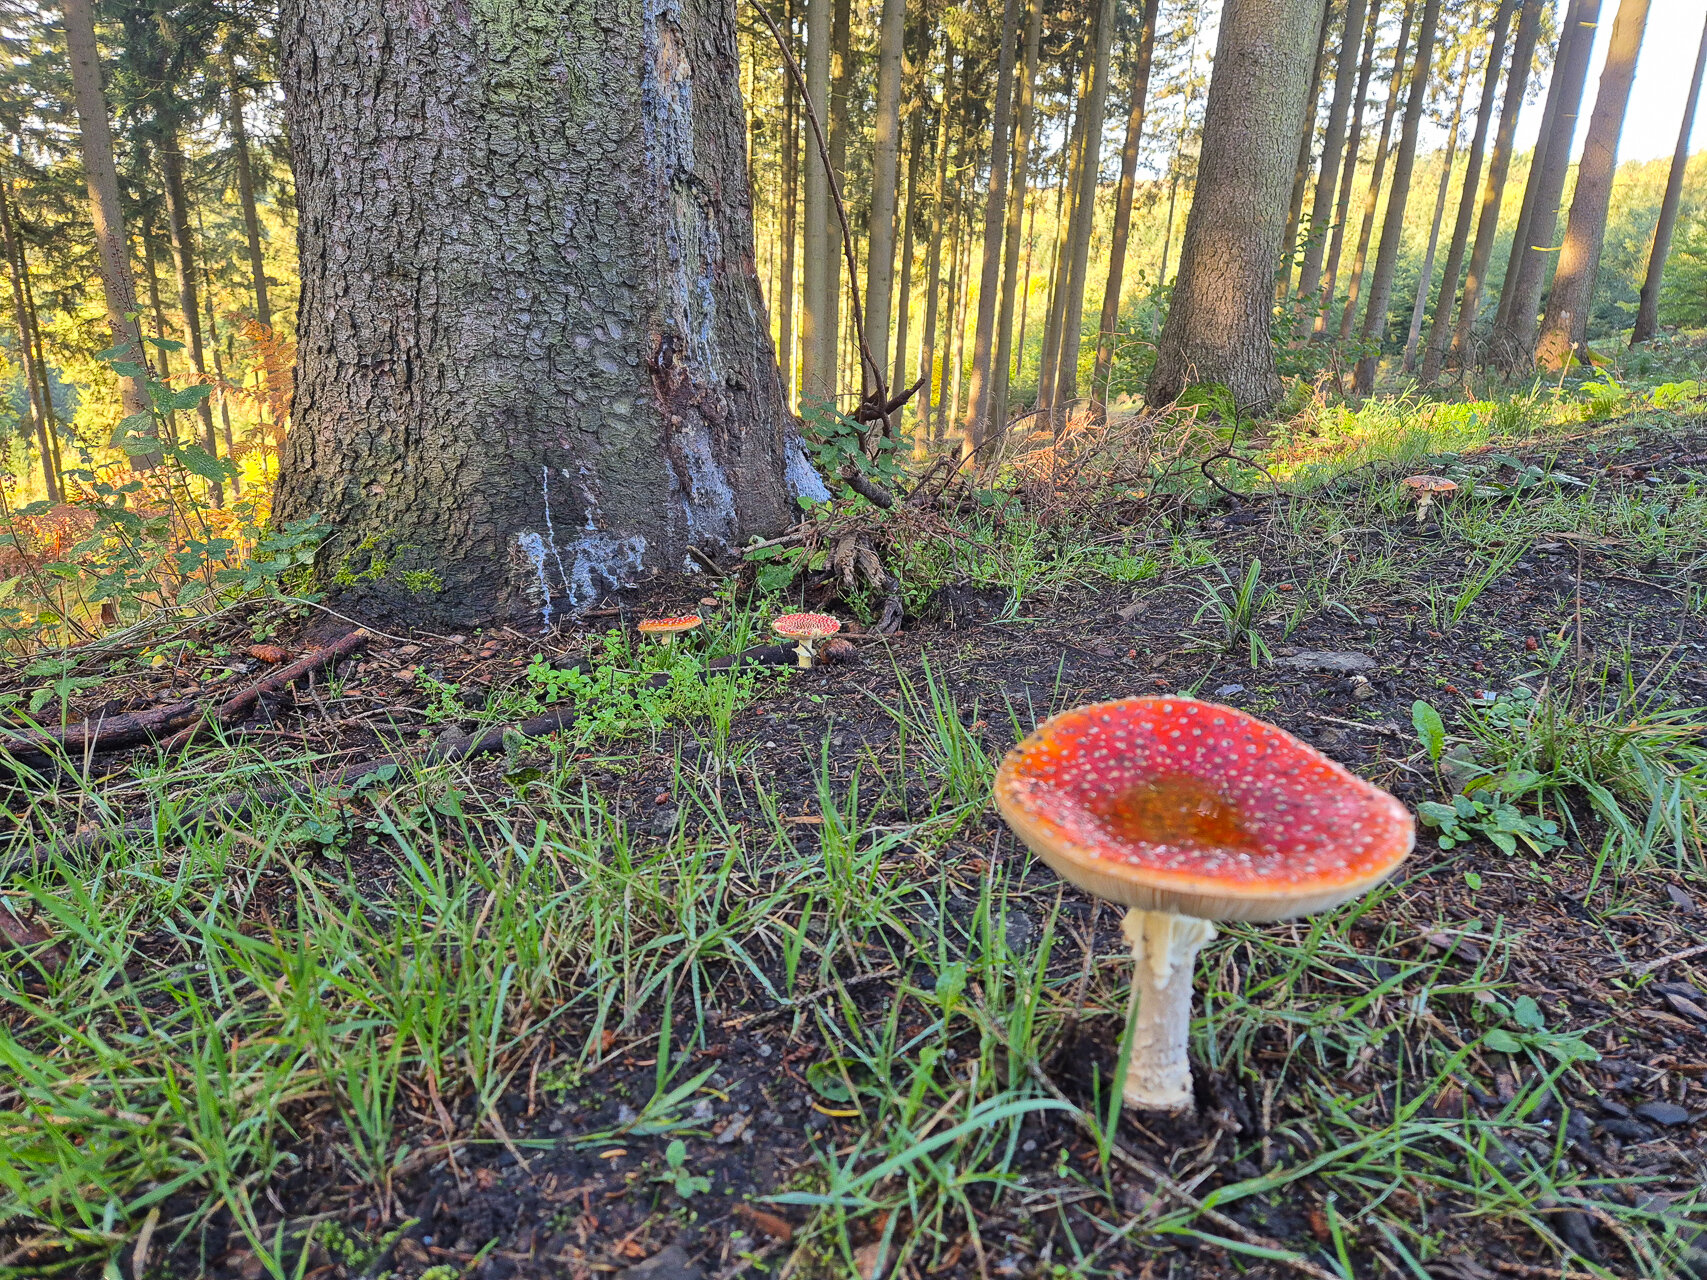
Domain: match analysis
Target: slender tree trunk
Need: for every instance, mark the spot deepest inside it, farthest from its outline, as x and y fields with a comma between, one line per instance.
x=1348, y=174
x=915, y=121
x=112, y=245
x=1441, y=324
x=1217, y=328
x=1372, y=198
x=1333, y=145
x=791, y=119
x=1307, y=140
x=1023, y=302
x=1025, y=111
x=956, y=347
x=1426, y=276
x=26, y=343
x=820, y=251
x=159, y=357
x=246, y=192
x=219, y=377
x=948, y=381
x=1565, y=328
x=534, y=364
x=929, y=395
x=885, y=173
x=841, y=79
x=1110, y=321
x=1387, y=254
x=1085, y=213
x=977, y=428
x=1513, y=342
x=183, y=259
x=38, y=354
x=1071, y=156
x=1648, y=313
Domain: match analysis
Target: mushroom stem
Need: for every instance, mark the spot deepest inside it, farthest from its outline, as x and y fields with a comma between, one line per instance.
x=1164, y=947
x=804, y=653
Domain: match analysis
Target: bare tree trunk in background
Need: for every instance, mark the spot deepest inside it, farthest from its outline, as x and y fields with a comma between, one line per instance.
x=841, y=80
x=1493, y=190
x=1333, y=144
x=1426, y=275
x=930, y=394
x=1393, y=228
x=913, y=115
x=1440, y=326
x=1348, y=173
x=1025, y=111
x=151, y=274
x=112, y=245
x=819, y=250
x=1306, y=140
x=26, y=344
x=534, y=363
x=1047, y=360
x=219, y=373
x=1372, y=198
x=948, y=397
x=184, y=261
x=1513, y=343
x=1217, y=328
x=1110, y=321
x=37, y=355
x=1024, y=299
x=790, y=229
x=1648, y=313
x=885, y=173
x=246, y=193
x=976, y=428
x=1565, y=327
x=1084, y=217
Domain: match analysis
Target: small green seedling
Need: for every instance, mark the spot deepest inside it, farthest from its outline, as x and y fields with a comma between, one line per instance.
x=1491, y=817
x=686, y=1185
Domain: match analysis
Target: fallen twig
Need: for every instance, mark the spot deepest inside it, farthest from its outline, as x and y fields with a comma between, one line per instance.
x=237, y=708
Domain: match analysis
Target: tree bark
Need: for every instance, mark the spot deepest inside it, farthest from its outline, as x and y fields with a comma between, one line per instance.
x=791, y=123
x=26, y=345
x=39, y=355
x=1110, y=321
x=819, y=247
x=1084, y=213
x=219, y=376
x=533, y=364
x=914, y=117
x=1306, y=140
x=1049, y=356
x=930, y=394
x=885, y=173
x=1387, y=255
x=1441, y=324
x=183, y=260
x=1372, y=198
x=1348, y=173
x=1025, y=111
x=1426, y=276
x=112, y=245
x=1648, y=312
x=1513, y=343
x=1493, y=190
x=246, y=194
x=1333, y=143
x=161, y=359
x=1217, y=329
x=1565, y=327
x=841, y=77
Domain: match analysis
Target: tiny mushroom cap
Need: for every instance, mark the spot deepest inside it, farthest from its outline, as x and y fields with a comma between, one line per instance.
x=807, y=628
x=1434, y=486
x=1177, y=805
x=666, y=628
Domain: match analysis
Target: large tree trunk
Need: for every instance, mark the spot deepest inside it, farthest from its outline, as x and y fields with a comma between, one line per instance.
x=1372, y=198
x=885, y=173
x=1217, y=328
x=1333, y=143
x=976, y=429
x=26, y=344
x=1648, y=312
x=1565, y=328
x=1306, y=140
x=1425, y=277
x=183, y=260
x=1348, y=174
x=1513, y=343
x=246, y=193
x=820, y=238
x=1084, y=213
x=534, y=364
x=1024, y=113
x=1488, y=219
x=1122, y=229
x=1441, y=325
x=112, y=246
x=1387, y=255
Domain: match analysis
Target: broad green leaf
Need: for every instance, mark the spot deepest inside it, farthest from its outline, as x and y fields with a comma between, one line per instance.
x=1502, y=1042
x=1431, y=730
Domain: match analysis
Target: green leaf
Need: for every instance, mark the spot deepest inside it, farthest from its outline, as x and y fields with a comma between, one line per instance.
x=1435, y=814
x=1502, y=1042
x=191, y=397
x=1527, y=1014
x=202, y=463
x=1431, y=730
x=165, y=344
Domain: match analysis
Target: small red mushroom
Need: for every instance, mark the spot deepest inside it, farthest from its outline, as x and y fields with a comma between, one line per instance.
x=666, y=629
x=1187, y=812
x=808, y=629
x=1426, y=490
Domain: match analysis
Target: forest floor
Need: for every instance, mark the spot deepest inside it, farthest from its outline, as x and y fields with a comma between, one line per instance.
x=741, y=975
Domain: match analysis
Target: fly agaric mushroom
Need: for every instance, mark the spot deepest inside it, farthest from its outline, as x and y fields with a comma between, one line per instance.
x=666, y=629
x=1187, y=812
x=808, y=629
x=1427, y=490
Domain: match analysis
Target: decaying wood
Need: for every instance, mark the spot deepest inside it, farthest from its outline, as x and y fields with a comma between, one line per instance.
x=235, y=709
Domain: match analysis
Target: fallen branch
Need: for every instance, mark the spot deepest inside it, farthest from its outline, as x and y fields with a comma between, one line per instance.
x=237, y=708
x=103, y=733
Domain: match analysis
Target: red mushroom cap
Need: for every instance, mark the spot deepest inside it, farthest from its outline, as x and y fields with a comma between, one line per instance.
x=1430, y=484
x=667, y=626
x=806, y=626
x=1172, y=804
